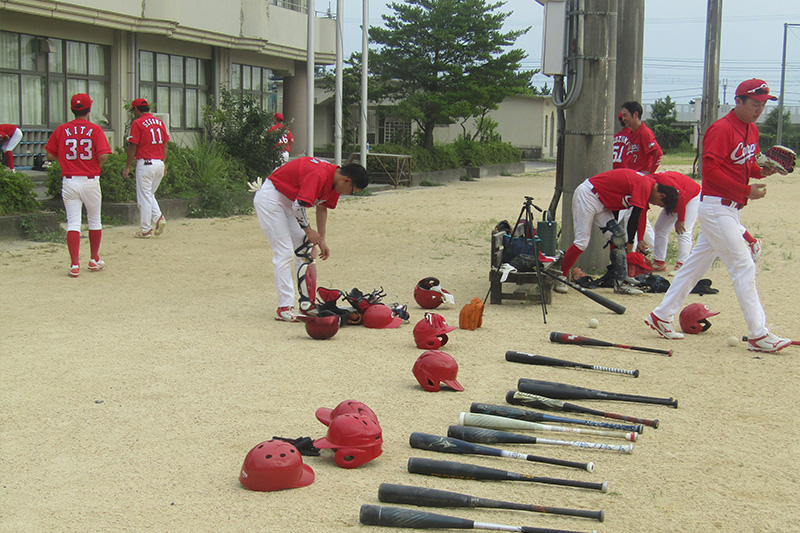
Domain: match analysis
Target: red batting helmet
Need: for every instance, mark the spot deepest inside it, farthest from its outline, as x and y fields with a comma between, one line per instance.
x=430, y=333
x=379, y=316
x=433, y=367
x=357, y=439
x=429, y=294
x=326, y=414
x=274, y=465
x=693, y=318
x=321, y=327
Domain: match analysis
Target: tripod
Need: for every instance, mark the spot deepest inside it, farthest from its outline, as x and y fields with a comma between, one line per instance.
x=526, y=215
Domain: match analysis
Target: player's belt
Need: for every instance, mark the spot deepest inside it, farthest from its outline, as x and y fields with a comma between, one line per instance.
x=149, y=161
x=720, y=201
x=87, y=177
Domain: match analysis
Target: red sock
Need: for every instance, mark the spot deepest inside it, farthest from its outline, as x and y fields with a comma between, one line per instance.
x=569, y=259
x=74, y=245
x=10, y=160
x=94, y=242
x=749, y=238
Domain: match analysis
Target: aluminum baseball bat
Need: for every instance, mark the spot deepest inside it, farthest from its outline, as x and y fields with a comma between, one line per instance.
x=565, y=391
x=450, y=469
x=541, y=402
x=602, y=300
x=566, y=338
x=425, y=497
x=536, y=416
x=437, y=443
x=494, y=436
x=381, y=515
x=501, y=422
x=533, y=359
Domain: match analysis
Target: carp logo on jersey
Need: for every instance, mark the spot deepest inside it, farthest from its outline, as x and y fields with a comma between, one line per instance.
x=626, y=201
x=742, y=153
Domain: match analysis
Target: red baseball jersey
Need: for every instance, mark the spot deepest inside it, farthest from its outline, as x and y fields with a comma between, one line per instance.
x=308, y=180
x=77, y=144
x=7, y=130
x=643, y=153
x=729, y=158
x=622, y=188
x=620, y=147
x=285, y=142
x=150, y=137
x=687, y=189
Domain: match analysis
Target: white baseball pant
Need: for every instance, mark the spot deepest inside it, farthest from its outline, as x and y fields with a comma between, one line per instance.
x=12, y=142
x=148, y=178
x=277, y=220
x=79, y=191
x=719, y=237
x=587, y=209
x=664, y=225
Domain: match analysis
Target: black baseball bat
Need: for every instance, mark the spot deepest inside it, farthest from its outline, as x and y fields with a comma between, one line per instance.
x=494, y=436
x=533, y=359
x=437, y=443
x=565, y=391
x=542, y=402
x=450, y=469
x=566, y=338
x=425, y=497
x=602, y=300
x=381, y=515
x=535, y=416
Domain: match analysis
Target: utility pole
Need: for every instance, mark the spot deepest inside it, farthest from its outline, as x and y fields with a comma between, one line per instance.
x=710, y=102
x=630, y=53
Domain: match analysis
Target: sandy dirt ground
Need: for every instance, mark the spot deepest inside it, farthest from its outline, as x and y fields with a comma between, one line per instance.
x=130, y=397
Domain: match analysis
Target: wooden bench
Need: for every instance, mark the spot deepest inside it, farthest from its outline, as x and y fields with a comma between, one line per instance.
x=521, y=285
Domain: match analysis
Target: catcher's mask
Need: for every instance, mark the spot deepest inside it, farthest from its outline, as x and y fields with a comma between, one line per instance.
x=430, y=333
x=326, y=414
x=693, y=318
x=429, y=294
x=321, y=327
x=357, y=439
x=380, y=316
x=434, y=367
x=274, y=465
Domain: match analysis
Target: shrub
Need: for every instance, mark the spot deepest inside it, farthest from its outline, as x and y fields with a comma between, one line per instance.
x=17, y=193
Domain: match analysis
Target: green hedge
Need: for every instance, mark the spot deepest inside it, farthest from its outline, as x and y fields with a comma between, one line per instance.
x=16, y=193
x=462, y=153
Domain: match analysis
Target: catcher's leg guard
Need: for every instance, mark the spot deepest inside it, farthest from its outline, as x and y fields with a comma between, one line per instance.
x=306, y=276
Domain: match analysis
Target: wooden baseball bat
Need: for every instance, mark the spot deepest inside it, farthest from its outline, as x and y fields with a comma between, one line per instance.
x=535, y=416
x=533, y=359
x=566, y=338
x=425, y=497
x=450, y=469
x=564, y=391
x=494, y=436
x=602, y=300
x=501, y=422
x=382, y=515
x=436, y=443
x=542, y=402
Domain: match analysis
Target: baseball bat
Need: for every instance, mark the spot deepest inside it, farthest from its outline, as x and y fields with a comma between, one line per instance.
x=425, y=497
x=450, y=469
x=541, y=402
x=602, y=300
x=494, y=436
x=564, y=391
x=381, y=515
x=436, y=443
x=533, y=359
x=795, y=343
x=566, y=338
x=535, y=416
x=501, y=422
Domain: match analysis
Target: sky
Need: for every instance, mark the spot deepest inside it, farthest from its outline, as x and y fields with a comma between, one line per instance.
x=674, y=43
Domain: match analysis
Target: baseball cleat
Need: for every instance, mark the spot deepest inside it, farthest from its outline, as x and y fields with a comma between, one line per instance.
x=755, y=249
x=677, y=267
x=626, y=288
x=662, y=327
x=160, y=223
x=74, y=271
x=769, y=343
x=143, y=234
x=286, y=314
x=560, y=286
x=96, y=266
x=659, y=266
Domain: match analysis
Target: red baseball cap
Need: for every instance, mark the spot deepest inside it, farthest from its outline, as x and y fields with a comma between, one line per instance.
x=278, y=117
x=756, y=89
x=80, y=102
x=139, y=101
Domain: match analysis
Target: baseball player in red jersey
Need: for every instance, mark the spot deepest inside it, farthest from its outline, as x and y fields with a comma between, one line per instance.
x=595, y=199
x=285, y=143
x=682, y=220
x=10, y=135
x=620, y=146
x=643, y=153
x=80, y=147
x=729, y=149
x=281, y=204
x=147, y=144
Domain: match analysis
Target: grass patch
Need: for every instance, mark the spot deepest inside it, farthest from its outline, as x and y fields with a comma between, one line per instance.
x=427, y=183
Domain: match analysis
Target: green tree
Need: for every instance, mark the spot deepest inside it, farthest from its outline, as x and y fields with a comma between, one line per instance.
x=770, y=124
x=663, y=112
x=445, y=60
x=663, y=117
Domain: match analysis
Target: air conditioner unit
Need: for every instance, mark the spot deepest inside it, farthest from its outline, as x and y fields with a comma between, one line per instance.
x=164, y=118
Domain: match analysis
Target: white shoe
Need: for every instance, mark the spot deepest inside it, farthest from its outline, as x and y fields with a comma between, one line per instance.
x=769, y=343
x=755, y=249
x=160, y=223
x=560, y=286
x=675, y=269
x=626, y=288
x=95, y=266
x=286, y=314
x=662, y=327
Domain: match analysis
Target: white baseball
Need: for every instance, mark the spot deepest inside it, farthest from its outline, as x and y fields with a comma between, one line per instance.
x=732, y=341
x=593, y=323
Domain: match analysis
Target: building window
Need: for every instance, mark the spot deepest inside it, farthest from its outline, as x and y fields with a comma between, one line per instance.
x=294, y=5
x=256, y=82
x=175, y=85
x=393, y=131
x=38, y=75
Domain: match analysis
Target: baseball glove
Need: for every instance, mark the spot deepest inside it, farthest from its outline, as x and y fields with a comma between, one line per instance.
x=779, y=158
x=471, y=315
